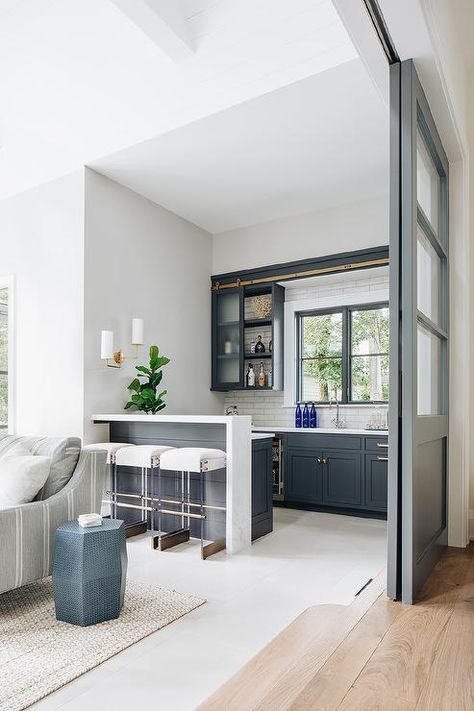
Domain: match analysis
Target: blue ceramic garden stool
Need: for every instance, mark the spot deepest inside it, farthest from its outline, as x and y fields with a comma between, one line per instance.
x=89, y=572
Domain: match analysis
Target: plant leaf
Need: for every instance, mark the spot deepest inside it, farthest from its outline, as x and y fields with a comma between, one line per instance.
x=143, y=369
x=154, y=351
x=155, y=379
x=134, y=385
x=129, y=404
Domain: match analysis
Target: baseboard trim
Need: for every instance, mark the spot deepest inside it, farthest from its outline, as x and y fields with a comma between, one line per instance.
x=471, y=524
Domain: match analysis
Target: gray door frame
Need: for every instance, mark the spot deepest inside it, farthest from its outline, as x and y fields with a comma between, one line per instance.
x=417, y=503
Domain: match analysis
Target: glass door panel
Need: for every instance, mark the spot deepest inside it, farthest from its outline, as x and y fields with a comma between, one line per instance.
x=429, y=373
x=429, y=279
x=227, y=339
x=427, y=182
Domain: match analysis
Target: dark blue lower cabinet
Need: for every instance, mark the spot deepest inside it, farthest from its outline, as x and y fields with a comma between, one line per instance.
x=342, y=479
x=262, y=488
x=304, y=476
x=376, y=481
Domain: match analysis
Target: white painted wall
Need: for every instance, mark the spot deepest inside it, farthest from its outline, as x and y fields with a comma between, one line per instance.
x=41, y=237
x=142, y=260
x=344, y=228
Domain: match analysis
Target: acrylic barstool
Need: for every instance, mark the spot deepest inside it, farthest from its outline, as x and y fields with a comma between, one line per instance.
x=189, y=460
x=111, y=484
x=147, y=458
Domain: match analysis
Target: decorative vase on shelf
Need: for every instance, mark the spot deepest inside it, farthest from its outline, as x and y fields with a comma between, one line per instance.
x=250, y=378
x=259, y=347
x=262, y=305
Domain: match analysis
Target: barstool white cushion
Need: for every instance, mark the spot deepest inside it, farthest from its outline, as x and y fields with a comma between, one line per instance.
x=193, y=459
x=111, y=447
x=142, y=455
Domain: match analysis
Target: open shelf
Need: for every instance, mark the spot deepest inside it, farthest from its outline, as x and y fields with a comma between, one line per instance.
x=236, y=319
x=256, y=388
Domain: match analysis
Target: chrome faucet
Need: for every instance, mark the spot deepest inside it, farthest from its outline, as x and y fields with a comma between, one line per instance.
x=338, y=421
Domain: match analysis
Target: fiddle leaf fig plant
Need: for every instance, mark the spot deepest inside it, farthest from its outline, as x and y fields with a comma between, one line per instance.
x=144, y=391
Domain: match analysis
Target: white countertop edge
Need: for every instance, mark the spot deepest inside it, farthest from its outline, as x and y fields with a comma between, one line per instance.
x=261, y=435
x=322, y=430
x=204, y=419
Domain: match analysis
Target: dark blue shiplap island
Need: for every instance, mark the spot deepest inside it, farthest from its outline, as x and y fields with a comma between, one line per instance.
x=231, y=433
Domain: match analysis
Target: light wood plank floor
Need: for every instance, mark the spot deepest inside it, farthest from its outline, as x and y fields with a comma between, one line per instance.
x=373, y=655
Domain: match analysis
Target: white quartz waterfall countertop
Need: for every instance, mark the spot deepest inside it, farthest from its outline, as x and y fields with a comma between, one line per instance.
x=233, y=430
x=197, y=419
x=321, y=430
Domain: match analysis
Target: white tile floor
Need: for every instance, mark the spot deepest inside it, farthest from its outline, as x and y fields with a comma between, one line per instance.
x=310, y=558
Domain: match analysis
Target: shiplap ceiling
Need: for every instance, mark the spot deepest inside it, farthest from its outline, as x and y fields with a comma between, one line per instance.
x=314, y=144
x=80, y=80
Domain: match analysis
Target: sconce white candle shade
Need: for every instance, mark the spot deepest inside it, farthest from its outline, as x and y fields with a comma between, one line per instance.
x=107, y=345
x=137, y=331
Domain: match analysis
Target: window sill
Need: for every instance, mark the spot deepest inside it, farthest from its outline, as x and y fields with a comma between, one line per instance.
x=342, y=405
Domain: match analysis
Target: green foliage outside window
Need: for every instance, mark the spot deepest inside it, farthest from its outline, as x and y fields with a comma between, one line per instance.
x=322, y=358
x=3, y=357
x=322, y=354
x=369, y=351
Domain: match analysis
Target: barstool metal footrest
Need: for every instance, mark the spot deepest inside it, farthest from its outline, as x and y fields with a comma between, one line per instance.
x=178, y=502
x=180, y=513
x=211, y=548
x=169, y=540
x=131, y=506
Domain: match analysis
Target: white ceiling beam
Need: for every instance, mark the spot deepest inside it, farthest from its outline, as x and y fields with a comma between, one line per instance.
x=163, y=22
x=359, y=27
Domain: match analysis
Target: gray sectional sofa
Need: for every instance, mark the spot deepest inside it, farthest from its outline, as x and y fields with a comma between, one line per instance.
x=75, y=485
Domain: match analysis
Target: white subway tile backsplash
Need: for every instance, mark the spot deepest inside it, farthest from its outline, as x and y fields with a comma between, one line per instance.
x=267, y=408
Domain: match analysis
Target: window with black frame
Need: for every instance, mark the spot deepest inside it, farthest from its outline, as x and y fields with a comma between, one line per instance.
x=343, y=353
x=3, y=358
x=369, y=361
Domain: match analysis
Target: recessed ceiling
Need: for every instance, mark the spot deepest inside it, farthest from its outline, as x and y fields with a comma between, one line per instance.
x=80, y=80
x=314, y=144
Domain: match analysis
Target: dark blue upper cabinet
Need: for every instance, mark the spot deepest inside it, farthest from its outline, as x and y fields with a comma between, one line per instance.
x=243, y=316
x=227, y=314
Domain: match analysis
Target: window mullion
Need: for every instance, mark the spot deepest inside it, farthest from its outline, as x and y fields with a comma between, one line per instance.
x=345, y=354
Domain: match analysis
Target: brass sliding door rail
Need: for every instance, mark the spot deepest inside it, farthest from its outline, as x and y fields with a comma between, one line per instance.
x=217, y=286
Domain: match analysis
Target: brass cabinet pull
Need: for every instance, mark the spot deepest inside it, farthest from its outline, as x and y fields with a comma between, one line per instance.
x=382, y=459
x=382, y=445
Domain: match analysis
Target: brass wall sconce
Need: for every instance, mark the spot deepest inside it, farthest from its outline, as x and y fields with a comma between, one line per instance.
x=113, y=358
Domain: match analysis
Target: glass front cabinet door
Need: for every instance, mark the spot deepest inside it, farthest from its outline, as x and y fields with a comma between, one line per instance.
x=227, y=307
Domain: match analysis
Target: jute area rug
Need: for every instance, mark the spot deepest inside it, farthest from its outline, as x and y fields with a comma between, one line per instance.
x=38, y=654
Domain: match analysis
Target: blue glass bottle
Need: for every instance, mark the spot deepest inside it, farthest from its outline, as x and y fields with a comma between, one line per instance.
x=313, y=416
x=298, y=416
x=306, y=415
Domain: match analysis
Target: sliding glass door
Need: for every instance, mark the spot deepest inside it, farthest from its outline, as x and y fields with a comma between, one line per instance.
x=419, y=338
